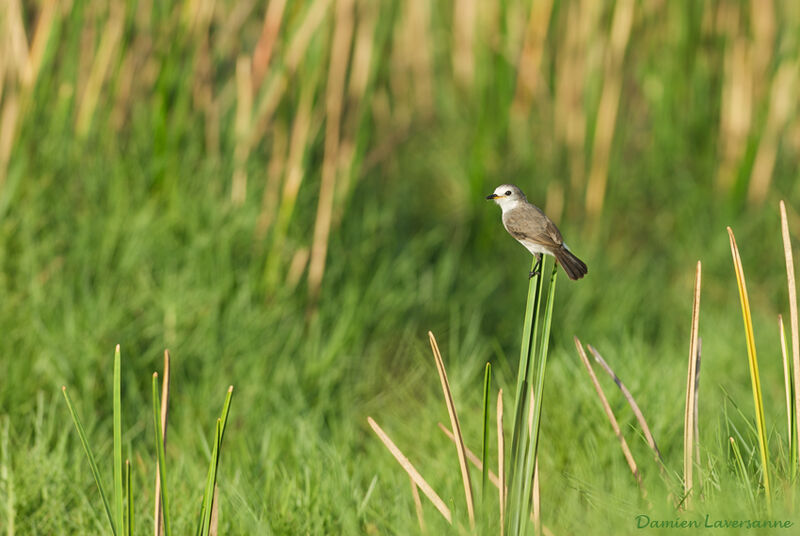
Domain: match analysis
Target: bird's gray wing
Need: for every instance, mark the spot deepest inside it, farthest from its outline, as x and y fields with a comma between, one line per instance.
x=529, y=223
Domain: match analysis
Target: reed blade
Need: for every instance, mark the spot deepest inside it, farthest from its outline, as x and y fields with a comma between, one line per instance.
x=753, y=363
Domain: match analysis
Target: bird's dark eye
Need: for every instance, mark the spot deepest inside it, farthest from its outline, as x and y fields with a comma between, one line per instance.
x=508, y=192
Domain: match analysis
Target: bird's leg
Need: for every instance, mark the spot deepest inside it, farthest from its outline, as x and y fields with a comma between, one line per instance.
x=537, y=268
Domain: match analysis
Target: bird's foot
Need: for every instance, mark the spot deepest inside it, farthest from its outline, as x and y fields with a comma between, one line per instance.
x=537, y=269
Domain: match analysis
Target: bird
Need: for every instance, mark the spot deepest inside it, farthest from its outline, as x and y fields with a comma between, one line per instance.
x=531, y=228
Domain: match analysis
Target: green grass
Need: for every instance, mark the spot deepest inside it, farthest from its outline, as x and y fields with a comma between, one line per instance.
x=127, y=234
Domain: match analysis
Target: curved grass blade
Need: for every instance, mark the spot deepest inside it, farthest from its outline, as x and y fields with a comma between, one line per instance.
x=92, y=462
x=753, y=362
x=161, y=456
x=118, y=505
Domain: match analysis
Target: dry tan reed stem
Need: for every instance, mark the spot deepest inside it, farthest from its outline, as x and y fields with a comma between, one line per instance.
x=418, y=506
x=609, y=413
x=106, y=51
x=537, y=502
x=159, y=518
x=530, y=58
x=609, y=104
x=783, y=98
x=790, y=279
x=471, y=456
x=464, y=12
x=41, y=36
x=501, y=471
x=451, y=410
x=786, y=382
x=8, y=125
x=266, y=42
x=244, y=113
x=736, y=109
x=298, y=43
x=689, y=415
x=631, y=402
x=334, y=97
x=412, y=472
x=275, y=170
x=214, y=523
x=360, y=68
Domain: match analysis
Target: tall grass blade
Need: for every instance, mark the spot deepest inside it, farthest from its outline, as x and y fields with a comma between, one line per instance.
x=519, y=439
x=691, y=377
x=487, y=384
x=501, y=478
x=412, y=472
x=451, y=410
x=211, y=480
x=118, y=497
x=207, y=506
x=753, y=361
x=161, y=455
x=158, y=529
x=129, y=527
x=626, y=451
x=535, y=405
x=792, y=286
x=92, y=461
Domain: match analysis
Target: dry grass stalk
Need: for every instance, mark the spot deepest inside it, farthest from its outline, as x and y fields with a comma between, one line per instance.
x=530, y=58
x=609, y=413
x=158, y=517
x=275, y=170
x=266, y=41
x=418, y=506
x=786, y=376
x=471, y=456
x=787, y=251
x=736, y=109
x=112, y=34
x=464, y=12
x=412, y=472
x=244, y=111
x=782, y=100
x=334, y=100
x=501, y=480
x=360, y=69
x=631, y=402
x=212, y=528
x=609, y=103
x=451, y=410
x=689, y=416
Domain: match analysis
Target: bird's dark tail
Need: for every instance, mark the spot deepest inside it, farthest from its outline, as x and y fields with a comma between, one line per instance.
x=573, y=266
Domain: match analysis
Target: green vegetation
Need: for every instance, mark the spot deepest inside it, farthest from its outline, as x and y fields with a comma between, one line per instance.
x=288, y=197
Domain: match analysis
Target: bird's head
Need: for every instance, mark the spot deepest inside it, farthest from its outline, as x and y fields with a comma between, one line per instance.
x=506, y=195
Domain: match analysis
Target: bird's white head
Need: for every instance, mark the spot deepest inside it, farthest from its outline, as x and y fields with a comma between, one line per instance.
x=507, y=196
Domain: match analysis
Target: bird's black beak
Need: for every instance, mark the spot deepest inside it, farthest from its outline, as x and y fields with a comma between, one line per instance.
x=492, y=196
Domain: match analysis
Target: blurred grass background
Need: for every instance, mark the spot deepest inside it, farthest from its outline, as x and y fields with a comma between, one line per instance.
x=288, y=196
